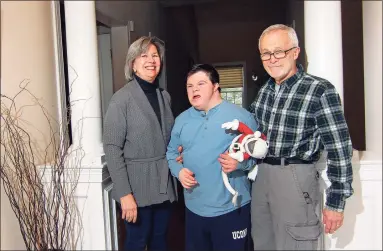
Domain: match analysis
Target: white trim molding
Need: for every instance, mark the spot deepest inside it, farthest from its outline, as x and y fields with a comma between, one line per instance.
x=362, y=225
x=367, y=170
x=85, y=174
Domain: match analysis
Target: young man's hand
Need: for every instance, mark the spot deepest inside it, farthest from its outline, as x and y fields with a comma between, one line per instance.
x=186, y=178
x=228, y=163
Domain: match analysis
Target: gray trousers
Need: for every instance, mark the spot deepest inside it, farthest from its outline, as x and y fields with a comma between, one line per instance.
x=284, y=200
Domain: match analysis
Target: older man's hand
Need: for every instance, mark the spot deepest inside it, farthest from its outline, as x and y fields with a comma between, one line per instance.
x=228, y=163
x=180, y=158
x=332, y=220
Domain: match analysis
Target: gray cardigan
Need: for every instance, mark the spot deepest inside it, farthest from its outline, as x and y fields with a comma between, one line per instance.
x=135, y=146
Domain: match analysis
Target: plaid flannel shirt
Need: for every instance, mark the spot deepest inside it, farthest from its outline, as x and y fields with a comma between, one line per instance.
x=301, y=120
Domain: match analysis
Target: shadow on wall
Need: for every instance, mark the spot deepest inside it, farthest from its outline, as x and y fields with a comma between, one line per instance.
x=354, y=206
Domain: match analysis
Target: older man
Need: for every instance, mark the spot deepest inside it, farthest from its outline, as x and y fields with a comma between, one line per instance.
x=301, y=115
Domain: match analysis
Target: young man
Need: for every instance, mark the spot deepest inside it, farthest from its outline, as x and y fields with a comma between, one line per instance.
x=301, y=115
x=212, y=221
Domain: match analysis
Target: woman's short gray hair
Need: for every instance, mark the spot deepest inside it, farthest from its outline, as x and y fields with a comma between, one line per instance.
x=290, y=31
x=138, y=47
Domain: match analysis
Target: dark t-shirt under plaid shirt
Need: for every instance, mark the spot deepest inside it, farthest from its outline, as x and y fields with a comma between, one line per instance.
x=301, y=120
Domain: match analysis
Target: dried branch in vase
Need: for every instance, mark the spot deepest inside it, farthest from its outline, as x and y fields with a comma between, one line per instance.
x=40, y=182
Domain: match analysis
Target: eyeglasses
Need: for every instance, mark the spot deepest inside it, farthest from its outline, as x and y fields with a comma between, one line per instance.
x=277, y=54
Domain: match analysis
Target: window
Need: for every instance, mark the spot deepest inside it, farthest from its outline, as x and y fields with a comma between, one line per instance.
x=231, y=83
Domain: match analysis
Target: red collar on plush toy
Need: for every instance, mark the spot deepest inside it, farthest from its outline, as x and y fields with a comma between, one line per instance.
x=247, y=144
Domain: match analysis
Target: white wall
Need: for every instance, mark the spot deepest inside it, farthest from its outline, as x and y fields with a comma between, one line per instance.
x=372, y=43
x=26, y=53
x=362, y=228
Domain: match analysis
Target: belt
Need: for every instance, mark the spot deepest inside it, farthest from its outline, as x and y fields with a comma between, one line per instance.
x=285, y=161
x=151, y=159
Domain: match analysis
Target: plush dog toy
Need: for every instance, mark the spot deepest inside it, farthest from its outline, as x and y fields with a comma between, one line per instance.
x=247, y=144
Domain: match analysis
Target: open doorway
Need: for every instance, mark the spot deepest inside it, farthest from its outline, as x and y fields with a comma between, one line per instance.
x=222, y=33
x=219, y=33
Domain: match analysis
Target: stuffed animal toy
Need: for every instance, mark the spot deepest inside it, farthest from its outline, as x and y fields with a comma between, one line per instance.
x=247, y=144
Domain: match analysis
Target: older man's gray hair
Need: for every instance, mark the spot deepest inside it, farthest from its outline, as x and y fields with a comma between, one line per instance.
x=290, y=31
x=138, y=47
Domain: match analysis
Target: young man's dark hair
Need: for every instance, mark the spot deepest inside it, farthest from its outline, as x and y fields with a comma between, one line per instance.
x=209, y=70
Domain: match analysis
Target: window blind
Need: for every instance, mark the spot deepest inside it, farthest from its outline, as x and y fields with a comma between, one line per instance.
x=231, y=77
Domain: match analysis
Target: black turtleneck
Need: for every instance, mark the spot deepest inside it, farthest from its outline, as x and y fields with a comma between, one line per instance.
x=150, y=90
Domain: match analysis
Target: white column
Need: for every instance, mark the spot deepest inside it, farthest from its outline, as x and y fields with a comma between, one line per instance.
x=372, y=50
x=82, y=51
x=323, y=45
x=323, y=41
x=81, y=36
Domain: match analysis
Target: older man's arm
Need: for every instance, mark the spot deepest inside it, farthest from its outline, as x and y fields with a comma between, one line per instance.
x=336, y=140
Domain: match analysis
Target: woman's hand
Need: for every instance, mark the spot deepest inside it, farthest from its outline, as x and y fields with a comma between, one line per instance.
x=129, y=208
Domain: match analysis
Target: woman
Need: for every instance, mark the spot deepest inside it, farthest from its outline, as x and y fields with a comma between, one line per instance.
x=137, y=128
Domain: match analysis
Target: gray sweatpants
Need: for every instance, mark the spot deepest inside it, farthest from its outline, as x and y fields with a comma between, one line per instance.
x=283, y=205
